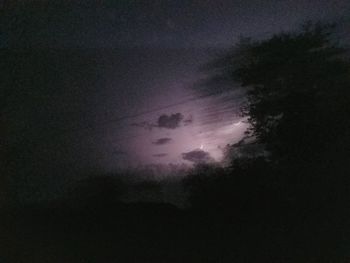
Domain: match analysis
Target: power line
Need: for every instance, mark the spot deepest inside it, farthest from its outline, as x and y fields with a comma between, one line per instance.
x=131, y=116
x=61, y=132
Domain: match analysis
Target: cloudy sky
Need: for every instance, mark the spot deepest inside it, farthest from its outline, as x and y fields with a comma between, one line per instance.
x=122, y=75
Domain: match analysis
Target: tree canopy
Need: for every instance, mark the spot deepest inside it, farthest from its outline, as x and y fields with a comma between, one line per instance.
x=297, y=87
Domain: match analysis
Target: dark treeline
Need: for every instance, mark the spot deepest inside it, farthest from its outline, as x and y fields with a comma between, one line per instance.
x=289, y=203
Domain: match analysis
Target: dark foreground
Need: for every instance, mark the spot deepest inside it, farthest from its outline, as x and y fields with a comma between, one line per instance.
x=147, y=232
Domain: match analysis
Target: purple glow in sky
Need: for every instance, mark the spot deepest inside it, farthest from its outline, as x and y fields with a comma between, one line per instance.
x=168, y=117
x=110, y=83
x=195, y=131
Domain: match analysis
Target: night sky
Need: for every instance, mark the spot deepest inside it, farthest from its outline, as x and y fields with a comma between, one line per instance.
x=124, y=76
x=163, y=23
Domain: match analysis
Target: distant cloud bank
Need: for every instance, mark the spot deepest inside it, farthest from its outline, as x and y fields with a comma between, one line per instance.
x=197, y=156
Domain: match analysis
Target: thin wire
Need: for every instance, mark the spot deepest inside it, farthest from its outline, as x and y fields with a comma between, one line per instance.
x=62, y=132
x=120, y=119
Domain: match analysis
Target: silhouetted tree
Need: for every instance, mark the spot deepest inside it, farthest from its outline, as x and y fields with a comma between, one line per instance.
x=298, y=94
x=298, y=89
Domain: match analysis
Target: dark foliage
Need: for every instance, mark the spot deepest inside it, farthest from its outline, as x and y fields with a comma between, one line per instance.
x=298, y=90
x=298, y=102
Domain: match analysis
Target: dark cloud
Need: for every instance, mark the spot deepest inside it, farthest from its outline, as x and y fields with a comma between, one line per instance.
x=162, y=141
x=170, y=121
x=197, y=156
x=159, y=155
